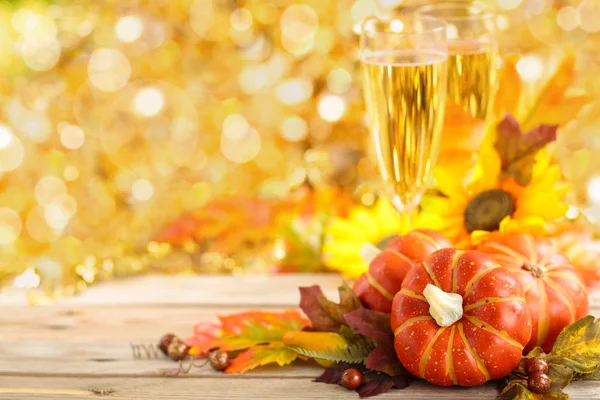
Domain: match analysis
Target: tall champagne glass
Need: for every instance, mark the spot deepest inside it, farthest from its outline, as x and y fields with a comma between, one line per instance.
x=472, y=59
x=404, y=65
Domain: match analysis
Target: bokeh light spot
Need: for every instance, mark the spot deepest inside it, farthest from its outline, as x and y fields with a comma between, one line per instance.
x=294, y=129
x=331, y=108
x=12, y=152
x=242, y=150
x=142, y=190
x=129, y=28
x=294, y=91
x=10, y=225
x=108, y=70
x=509, y=4
x=568, y=18
x=6, y=136
x=530, y=68
x=149, y=101
x=593, y=190
x=48, y=188
x=241, y=19
x=72, y=137
x=235, y=127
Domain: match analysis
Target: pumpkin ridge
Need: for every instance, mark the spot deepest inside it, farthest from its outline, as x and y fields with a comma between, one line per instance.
x=503, y=258
x=411, y=294
x=450, y=357
x=475, y=279
x=508, y=251
x=492, y=300
x=428, y=351
x=431, y=275
x=402, y=256
x=529, y=285
x=480, y=364
x=426, y=238
x=542, y=314
x=565, y=298
x=410, y=321
x=569, y=277
x=490, y=329
x=377, y=286
x=532, y=250
x=455, y=260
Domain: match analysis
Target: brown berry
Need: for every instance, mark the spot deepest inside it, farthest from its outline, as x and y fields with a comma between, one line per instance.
x=351, y=378
x=164, y=343
x=177, y=350
x=219, y=360
x=536, y=364
x=539, y=382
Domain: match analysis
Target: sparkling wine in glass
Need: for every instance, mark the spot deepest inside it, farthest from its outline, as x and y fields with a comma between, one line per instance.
x=472, y=80
x=404, y=65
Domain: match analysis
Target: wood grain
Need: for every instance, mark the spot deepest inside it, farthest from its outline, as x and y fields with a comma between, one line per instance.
x=78, y=348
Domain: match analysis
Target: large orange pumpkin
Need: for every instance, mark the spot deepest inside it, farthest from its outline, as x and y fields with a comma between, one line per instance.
x=555, y=293
x=460, y=319
x=377, y=287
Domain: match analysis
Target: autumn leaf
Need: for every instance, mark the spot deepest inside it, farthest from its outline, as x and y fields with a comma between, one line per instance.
x=374, y=382
x=552, y=106
x=578, y=346
x=592, y=376
x=325, y=315
x=517, y=150
x=519, y=391
x=329, y=346
x=376, y=325
x=274, y=352
x=243, y=330
x=507, y=98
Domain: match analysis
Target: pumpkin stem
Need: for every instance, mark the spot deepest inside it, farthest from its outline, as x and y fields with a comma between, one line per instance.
x=445, y=308
x=368, y=252
x=537, y=270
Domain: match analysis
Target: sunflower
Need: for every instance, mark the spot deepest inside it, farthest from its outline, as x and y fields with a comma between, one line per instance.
x=345, y=236
x=488, y=203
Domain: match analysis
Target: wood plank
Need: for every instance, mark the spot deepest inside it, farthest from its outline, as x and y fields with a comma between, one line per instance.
x=242, y=387
x=241, y=291
x=136, y=324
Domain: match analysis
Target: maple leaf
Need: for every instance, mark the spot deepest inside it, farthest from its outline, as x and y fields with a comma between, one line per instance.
x=376, y=325
x=517, y=150
x=325, y=315
x=243, y=330
x=274, y=352
x=552, y=106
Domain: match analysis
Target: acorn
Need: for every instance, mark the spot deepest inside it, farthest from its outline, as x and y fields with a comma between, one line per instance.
x=164, y=343
x=536, y=364
x=539, y=382
x=351, y=378
x=219, y=360
x=177, y=350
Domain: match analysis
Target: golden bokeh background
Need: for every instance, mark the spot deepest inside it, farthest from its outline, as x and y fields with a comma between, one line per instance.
x=120, y=116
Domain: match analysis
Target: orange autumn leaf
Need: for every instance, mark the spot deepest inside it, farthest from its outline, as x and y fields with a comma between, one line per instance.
x=274, y=352
x=552, y=106
x=244, y=330
x=507, y=98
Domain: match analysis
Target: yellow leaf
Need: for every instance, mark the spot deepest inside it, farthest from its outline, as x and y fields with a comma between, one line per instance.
x=578, y=346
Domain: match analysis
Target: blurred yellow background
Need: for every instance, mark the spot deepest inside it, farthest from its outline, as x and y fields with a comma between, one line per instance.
x=120, y=116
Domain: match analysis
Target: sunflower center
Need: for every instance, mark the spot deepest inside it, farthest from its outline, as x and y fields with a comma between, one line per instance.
x=486, y=210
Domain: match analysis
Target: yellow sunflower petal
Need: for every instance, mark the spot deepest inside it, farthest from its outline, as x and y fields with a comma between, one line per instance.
x=533, y=225
x=449, y=185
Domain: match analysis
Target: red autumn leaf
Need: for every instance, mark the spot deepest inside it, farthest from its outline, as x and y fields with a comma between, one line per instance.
x=274, y=352
x=517, y=150
x=325, y=315
x=376, y=325
x=374, y=382
x=244, y=330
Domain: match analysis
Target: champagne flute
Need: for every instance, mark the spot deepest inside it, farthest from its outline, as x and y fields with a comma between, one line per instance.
x=404, y=65
x=472, y=63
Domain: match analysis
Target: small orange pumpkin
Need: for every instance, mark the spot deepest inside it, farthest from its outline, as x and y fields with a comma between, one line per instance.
x=387, y=269
x=460, y=319
x=555, y=293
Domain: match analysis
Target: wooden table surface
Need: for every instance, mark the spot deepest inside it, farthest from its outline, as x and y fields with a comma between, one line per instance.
x=78, y=348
